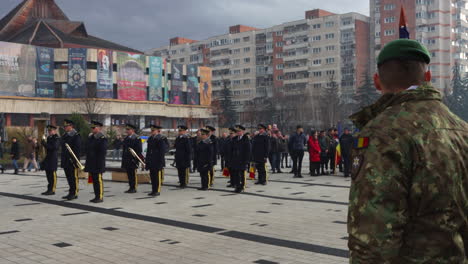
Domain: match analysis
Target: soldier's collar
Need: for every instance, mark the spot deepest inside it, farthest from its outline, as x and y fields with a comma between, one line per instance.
x=132, y=136
x=72, y=132
x=422, y=93
x=98, y=135
x=207, y=141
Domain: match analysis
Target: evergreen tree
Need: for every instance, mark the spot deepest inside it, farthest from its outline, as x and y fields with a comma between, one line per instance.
x=330, y=100
x=228, y=111
x=457, y=100
x=366, y=94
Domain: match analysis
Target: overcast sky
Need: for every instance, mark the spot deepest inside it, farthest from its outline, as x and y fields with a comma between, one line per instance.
x=146, y=24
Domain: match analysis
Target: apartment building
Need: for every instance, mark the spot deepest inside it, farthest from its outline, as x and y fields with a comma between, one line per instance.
x=301, y=57
x=441, y=25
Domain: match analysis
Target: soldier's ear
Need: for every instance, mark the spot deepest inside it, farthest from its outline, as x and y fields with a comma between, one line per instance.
x=377, y=83
x=428, y=76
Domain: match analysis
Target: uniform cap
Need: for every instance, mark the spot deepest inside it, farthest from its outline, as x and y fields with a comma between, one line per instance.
x=155, y=127
x=407, y=49
x=68, y=122
x=204, y=131
x=182, y=127
x=51, y=127
x=211, y=128
x=96, y=124
x=239, y=128
x=130, y=126
x=262, y=126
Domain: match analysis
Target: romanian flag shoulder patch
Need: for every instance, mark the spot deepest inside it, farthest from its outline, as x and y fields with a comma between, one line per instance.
x=361, y=142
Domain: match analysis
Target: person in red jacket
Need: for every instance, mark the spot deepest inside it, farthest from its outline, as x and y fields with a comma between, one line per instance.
x=314, y=153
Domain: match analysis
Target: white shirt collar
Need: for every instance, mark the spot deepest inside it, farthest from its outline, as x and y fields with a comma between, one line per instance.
x=414, y=87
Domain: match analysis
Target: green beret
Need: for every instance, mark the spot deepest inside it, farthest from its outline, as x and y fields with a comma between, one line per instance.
x=404, y=49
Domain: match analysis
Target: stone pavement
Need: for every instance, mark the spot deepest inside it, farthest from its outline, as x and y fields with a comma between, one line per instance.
x=287, y=221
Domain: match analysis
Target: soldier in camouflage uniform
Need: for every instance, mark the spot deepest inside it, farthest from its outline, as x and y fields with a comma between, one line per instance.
x=408, y=198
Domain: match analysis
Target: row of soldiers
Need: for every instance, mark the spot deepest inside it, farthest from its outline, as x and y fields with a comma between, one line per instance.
x=239, y=151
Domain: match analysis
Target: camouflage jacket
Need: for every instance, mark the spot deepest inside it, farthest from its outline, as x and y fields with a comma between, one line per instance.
x=408, y=198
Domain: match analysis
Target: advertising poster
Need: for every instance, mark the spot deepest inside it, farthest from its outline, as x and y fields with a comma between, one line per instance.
x=167, y=66
x=205, y=85
x=193, y=92
x=76, y=73
x=17, y=70
x=45, y=72
x=131, y=79
x=104, y=86
x=176, y=94
x=155, y=92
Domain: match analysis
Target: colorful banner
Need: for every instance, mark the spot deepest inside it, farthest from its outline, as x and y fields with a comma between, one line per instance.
x=155, y=92
x=45, y=72
x=131, y=79
x=176, y=94
x=205, y=85
x=193, y=90
x=17, y=69
x=167, y=66
x=76, y=73
x=104, y=86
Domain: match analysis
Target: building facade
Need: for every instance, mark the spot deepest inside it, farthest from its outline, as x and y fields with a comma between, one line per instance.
x=441, y=25
x=298, y=57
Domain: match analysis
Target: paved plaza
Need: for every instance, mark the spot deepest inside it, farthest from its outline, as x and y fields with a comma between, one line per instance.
x=288, y=221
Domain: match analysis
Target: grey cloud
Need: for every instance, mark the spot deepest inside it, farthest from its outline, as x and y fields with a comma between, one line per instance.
x=145, y=24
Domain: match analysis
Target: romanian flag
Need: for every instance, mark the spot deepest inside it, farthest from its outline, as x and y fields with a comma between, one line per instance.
x=90, y=179
x=226, y=172
x=404, y=33
x=252, y=172
x=338, y=155
x=362, y=142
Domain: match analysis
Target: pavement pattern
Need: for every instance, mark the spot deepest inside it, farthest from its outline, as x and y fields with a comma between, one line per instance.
x=288, y=221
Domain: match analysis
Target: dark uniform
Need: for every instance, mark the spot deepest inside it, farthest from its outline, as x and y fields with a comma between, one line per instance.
x=96, y=162
x=346, y=144
x=239, y=161
x=204, y=160
x=68, y=164
x=155, y=161
x=182, y=158
x=260, y=152
x=50, y=162
x=129, y=162
x=227, y=149
x=214, y=141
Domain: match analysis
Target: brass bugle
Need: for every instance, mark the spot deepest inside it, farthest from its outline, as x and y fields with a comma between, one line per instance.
x=135, y=155
x=77, y=161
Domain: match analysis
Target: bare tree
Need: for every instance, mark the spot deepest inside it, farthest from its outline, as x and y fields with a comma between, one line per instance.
x=91, y=106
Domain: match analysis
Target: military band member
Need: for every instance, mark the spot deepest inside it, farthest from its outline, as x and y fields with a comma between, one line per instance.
x=214, y=141
x=50, y=162
x=96, y=159
x=129, y=162
x=239, y=159
x=183, y=156
x=155, y=161
x=204, y=158
x=228, y=153
x=71, y=169
x=260, y=152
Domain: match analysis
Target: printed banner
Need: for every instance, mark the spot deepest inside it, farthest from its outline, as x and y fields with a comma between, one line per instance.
x=193, y=90
x=177, y=83
x=17, y=69
x=45, y=72
x=104, y=87
x=76, y=73
x=155, y=91
x=167, y=66
x=205, y=85
x=131, y=80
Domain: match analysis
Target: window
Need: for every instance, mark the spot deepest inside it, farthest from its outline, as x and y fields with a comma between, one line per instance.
x=247, y=70
x=279, y=44
x=236, y=72
x=279, y=77
x=330, y=36
x=316, y=50
x=182, y=50
x=431, y=29
x=389, y=6
x=389, y=20
x=280, y=66
x=330, y=72
x=316, y=26
x=317, y=85
x=346, y=22
x=279, y=55
x=236, y=62
x=247, y=81
x=317, y=74
x=246, y=39
x=316, y=38
x=329, y=60
x=236, y=82
x=390, y=32
x=236, y=51
x=247, y=49
x=236, y=40
x=173, y=52
x=193, y=58
x=330, y=48
x=182, y=60
x=377, y=34
x=317, y=62
x=246, y=60
x=329, y=24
